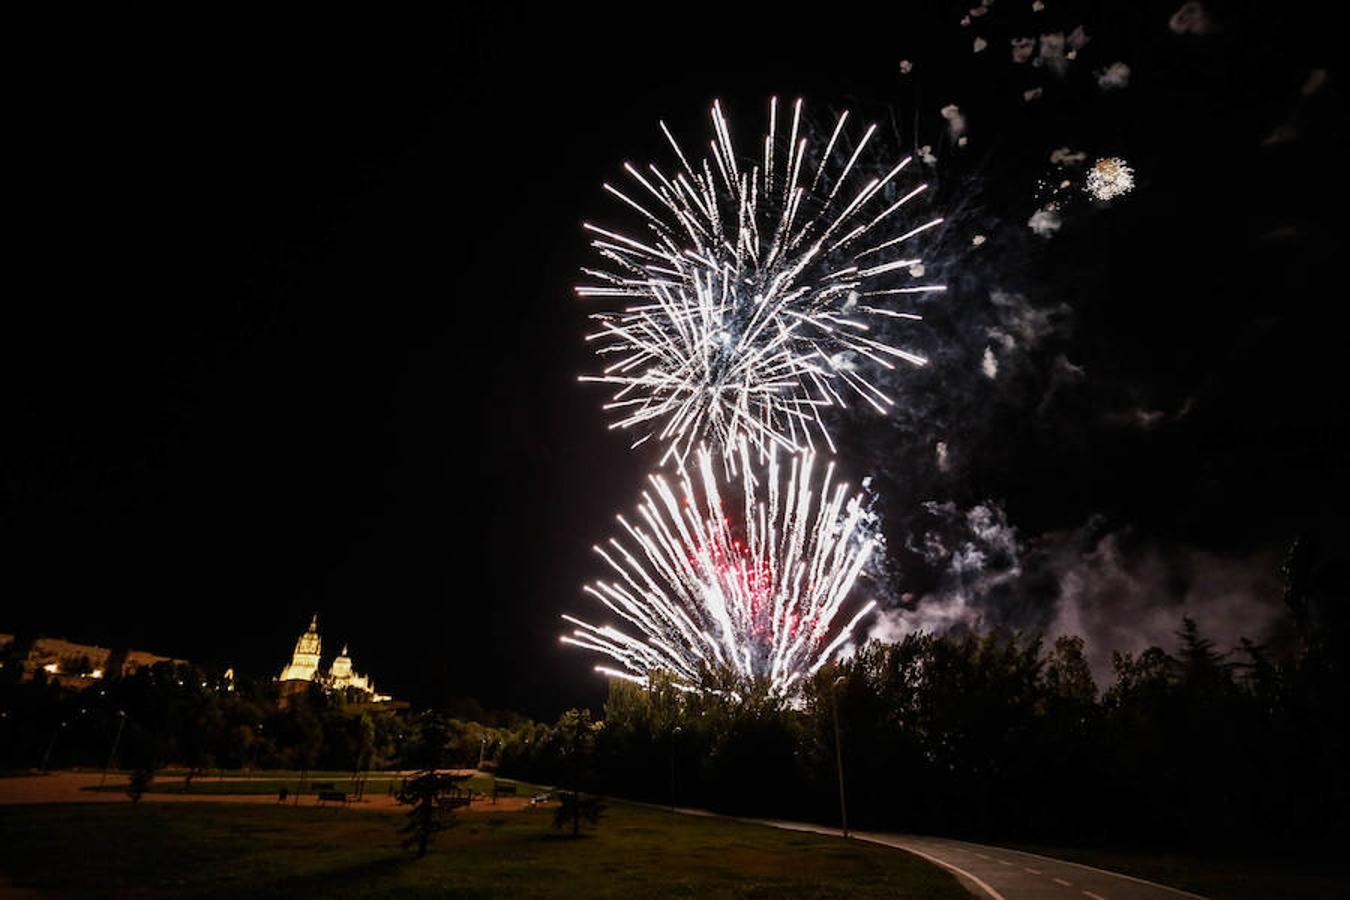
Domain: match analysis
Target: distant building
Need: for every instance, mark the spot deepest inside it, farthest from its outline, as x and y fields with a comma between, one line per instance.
x=6, y=643
x=341, y=676
x=71, y=664
x=304, y=664
x=304, y=669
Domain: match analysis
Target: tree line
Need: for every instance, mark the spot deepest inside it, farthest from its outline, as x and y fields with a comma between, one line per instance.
x=998, y=736
x=178, y=715
x=1007, y=737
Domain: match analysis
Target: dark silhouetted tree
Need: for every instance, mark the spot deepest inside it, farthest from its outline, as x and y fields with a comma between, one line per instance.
x=138, y=783
x=575, y=808
x=575, y=736
x=431, y=813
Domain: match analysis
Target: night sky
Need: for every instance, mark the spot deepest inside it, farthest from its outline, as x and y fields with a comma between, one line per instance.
x=292, y=330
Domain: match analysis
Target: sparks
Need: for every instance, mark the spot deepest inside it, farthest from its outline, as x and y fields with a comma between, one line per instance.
x=700, y=596
x=758, y=290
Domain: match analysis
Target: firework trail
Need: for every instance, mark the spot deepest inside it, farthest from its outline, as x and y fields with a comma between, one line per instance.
x=706, y=597
x=754, y=290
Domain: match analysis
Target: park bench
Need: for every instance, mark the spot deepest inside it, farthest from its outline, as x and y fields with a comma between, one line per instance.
x=323, y=786
x=502, y=790
x=332, y=797
x=451, y=802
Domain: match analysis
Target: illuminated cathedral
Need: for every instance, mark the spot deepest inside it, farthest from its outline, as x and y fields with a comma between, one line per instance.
x=304, y=668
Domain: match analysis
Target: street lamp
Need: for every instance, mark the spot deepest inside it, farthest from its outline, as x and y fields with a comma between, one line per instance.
x=838, y=751
x=674, y=732
x=47, y=757
x=253, y=747
x=121, y=723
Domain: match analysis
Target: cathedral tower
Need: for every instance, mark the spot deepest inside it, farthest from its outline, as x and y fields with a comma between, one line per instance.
x=304, y=664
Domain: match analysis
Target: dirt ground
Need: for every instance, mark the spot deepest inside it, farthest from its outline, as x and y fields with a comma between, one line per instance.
x=71, y=787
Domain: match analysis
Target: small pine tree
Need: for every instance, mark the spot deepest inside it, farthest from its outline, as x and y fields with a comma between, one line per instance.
x=576, y=735
x=430, y=813
x=139, y=783
x=575, y=808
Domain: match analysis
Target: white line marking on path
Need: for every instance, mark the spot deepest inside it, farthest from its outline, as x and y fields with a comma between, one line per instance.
x=982, y=885
x=1079, y=865
x=816, y=829
x=1093, y=896
x=1002, y=862
x=1031, y=870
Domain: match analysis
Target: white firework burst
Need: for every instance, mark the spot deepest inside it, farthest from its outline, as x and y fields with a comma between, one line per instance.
x=1109, y=178
x=702, y=596
x=756, y=290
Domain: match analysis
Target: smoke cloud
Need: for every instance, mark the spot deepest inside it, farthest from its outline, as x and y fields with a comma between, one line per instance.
x=1119, y=592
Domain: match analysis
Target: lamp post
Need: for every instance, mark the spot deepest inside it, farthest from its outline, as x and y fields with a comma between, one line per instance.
x=121, y=723
x=838, y=752
x=673, y=733
x=253, y=748
x=47, y=757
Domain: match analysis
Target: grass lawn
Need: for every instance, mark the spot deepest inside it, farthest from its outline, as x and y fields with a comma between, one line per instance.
x=1222, y=878
x=220, y=850
x=210, y=787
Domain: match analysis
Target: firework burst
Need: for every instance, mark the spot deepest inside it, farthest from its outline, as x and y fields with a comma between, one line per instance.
x=757, y=290
x=704, y=596
x=1109, y=178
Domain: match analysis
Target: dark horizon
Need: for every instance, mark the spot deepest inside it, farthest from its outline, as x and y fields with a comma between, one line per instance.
x=299, y=333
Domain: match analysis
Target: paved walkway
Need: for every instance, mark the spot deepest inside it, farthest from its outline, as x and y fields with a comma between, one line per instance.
x=1000, y=874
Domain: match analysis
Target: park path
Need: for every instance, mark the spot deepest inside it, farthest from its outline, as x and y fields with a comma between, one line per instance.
x=75, y=787
x=1001, y=874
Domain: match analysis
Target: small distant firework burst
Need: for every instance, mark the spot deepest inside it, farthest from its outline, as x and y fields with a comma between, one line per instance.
x=760, y=600
x=754, y=291
x=1109, y=178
